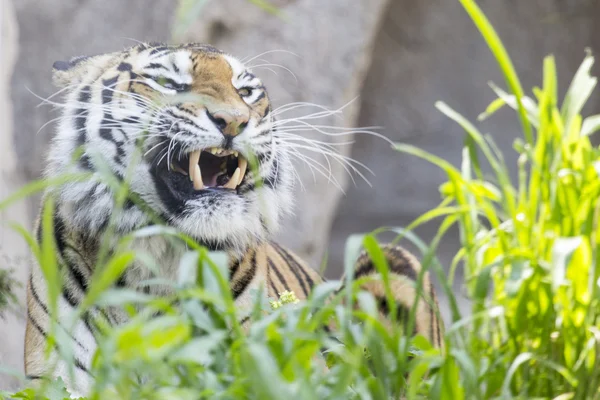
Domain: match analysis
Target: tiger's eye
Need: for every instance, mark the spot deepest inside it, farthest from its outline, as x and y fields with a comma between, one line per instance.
x=162, y=81
x=245, y=92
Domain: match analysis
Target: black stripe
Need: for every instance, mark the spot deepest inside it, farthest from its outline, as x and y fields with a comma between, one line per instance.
x=81, y=280
x=70, y=298
x=263, y=133
x=367, y=267
x=45, y=335
x=81, y=116
x=107, y=92
x=184, y=118
x=126, y=136
x=59, y=230
x=86, y=94
x=80, y=125
x=278, y=273
x=293, y=267
x=272, y=284
x=244, y=320
x=156, y=66
x=105, y=124
x=260, y=97
x=36, y=297
x=86, y=163
x=36, y=326
x=124, y=67
x=274, y=179
x=302, y=270
x=160, y=49
x=245, y=280
x=33, y=377
x=106, y=134
x=403, y=267
x=82, y=258
x=79, y=365
x=233, y=268
x=45, y=308
x=132, y=119
x=402, y=312
x=263, y=156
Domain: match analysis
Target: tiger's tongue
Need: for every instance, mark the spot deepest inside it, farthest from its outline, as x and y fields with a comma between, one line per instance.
x=210, y=175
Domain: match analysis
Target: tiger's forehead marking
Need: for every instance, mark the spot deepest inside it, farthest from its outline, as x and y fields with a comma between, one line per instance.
x=211, y=67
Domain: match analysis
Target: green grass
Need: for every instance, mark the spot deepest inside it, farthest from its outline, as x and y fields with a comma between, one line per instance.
x=529, y=253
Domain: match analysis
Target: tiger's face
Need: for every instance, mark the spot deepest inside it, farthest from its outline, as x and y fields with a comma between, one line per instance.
x=188, y=127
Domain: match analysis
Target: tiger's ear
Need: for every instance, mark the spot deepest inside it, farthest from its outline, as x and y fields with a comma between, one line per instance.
x=71, y=72
x=68, y=72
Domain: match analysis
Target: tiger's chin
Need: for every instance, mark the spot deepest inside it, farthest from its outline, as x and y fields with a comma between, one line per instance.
x=225, y=221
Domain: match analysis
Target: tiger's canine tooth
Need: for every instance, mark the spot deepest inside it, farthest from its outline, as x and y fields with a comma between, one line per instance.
x=233, y=181
x=195, y=173
x=198, y=184
x=242, y=166
x=194, y=160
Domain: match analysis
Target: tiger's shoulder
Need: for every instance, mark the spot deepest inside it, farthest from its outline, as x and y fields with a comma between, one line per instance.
x=279, y=270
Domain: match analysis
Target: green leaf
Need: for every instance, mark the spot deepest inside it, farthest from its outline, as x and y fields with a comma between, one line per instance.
x=263, y=374
x=579, y=92
x=528, y=104
x=494, y=106
x=352, y=250
x=506, y=66
x=120, y=297
x=188, y=268
x=562, y=250
x=105, y=277
x=198, y=351
x=49, y=263
x=590, y=125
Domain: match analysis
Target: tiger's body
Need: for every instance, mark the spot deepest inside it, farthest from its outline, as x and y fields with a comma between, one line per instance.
x=198, y=116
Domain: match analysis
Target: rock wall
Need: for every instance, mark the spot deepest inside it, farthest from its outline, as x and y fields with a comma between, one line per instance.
x=13, y=250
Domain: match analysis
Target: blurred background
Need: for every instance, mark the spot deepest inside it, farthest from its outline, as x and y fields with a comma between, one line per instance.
x=394, y=58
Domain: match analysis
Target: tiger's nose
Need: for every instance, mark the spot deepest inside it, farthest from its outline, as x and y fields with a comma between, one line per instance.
x=230, y=122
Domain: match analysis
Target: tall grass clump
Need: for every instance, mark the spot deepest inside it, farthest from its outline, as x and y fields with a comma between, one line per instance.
x=529, y=249
x=529, y=255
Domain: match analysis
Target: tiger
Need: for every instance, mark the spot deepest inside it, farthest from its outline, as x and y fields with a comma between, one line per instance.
x=192, y=131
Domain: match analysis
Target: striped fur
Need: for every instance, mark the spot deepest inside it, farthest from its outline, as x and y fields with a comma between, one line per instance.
x=111, y=111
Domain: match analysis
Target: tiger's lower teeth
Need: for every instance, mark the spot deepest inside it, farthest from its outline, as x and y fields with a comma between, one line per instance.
x=222, y=180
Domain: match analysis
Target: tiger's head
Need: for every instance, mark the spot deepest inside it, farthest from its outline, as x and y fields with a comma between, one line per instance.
x=188, y=127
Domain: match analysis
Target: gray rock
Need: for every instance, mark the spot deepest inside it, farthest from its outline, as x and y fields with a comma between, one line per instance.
x=13, y=250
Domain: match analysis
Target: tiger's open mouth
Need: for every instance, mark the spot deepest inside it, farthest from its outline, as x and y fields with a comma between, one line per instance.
x=212, y=168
